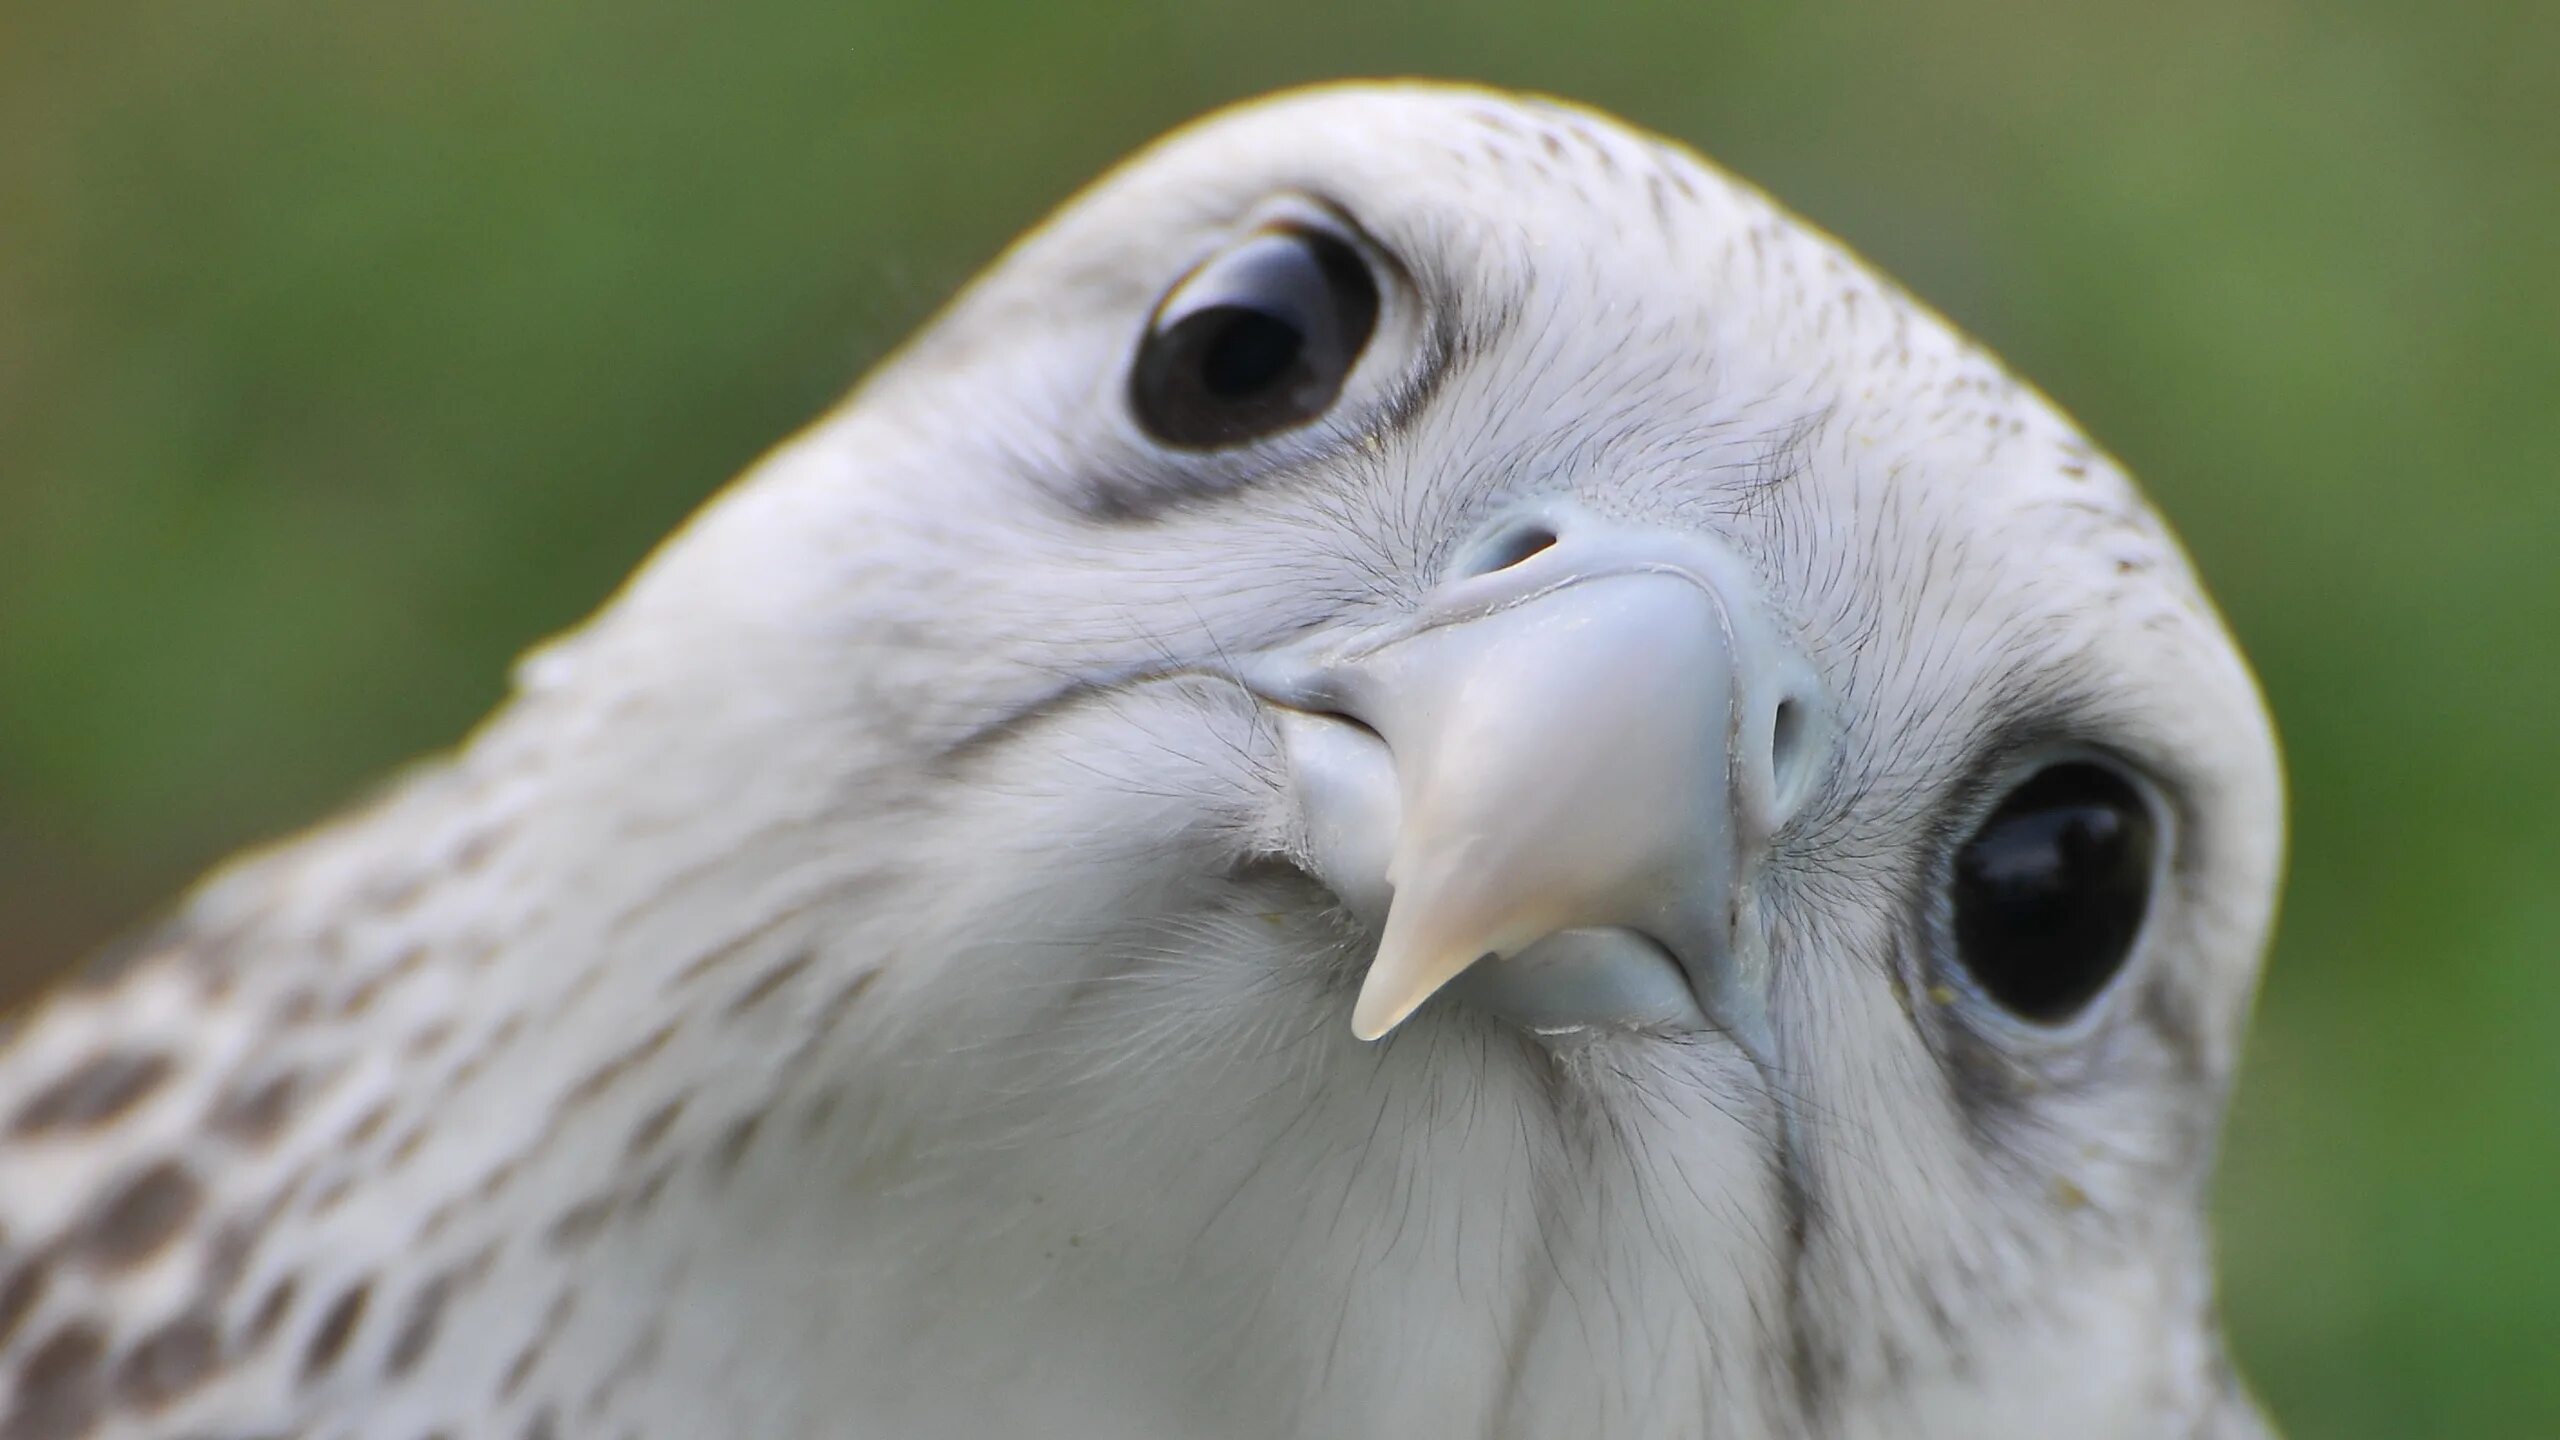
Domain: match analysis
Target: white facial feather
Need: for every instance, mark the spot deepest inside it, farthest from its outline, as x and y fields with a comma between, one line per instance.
x=869, y=983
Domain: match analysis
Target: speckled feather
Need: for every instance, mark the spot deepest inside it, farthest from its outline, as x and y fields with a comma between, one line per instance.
x=860, y=984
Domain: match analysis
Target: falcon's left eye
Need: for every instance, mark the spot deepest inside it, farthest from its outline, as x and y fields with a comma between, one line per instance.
x=2051, y=891
x=1256, y=341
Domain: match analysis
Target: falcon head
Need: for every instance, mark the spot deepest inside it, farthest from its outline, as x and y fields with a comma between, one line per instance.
x=1425, y=771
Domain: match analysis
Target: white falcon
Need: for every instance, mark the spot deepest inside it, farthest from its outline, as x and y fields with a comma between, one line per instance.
x=1423, y=773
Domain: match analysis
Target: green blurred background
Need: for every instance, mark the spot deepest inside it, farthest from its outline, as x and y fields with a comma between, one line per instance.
x=347, y=348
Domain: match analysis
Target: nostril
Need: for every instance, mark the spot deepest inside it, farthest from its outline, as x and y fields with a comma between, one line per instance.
x=1794, y=757
x=1786, y=732
x=1510, y=547
x=1351, y=723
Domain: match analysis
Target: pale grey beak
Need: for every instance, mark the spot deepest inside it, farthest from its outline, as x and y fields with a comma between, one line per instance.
x=1558, y=778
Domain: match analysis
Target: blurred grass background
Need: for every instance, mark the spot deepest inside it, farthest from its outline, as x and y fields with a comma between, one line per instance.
x=347, y=348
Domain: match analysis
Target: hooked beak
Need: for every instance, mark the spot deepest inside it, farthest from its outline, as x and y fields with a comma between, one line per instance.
x=1557, y=779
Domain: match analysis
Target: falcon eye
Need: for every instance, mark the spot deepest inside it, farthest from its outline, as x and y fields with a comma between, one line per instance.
x=1255, y=341
x=2051, y=891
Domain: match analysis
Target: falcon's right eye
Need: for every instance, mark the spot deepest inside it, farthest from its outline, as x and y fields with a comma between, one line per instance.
x=1256, y=341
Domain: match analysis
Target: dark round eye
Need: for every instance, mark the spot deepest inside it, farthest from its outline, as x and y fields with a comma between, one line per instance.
x=1256, y=341
x=2050, y=892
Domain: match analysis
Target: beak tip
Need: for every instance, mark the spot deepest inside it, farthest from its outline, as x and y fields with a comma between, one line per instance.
x=1372, y=1019
x=1400, y=979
